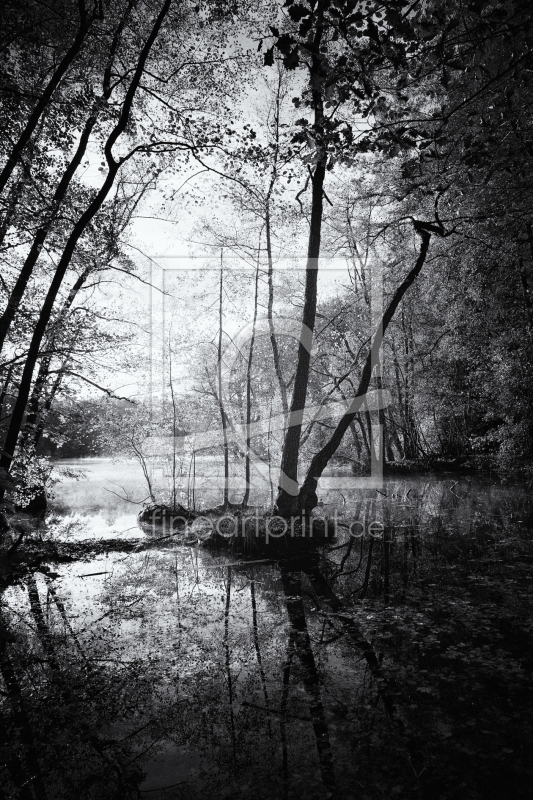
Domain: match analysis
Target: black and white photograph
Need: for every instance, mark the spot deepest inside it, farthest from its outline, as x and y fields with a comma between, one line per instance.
x=266, y=400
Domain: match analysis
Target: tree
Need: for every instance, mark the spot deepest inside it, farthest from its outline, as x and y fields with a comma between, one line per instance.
x=335, y=74
x=367, y=57
x=124, y=70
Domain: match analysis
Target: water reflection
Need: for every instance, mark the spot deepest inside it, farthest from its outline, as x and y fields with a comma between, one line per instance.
x=380, y=665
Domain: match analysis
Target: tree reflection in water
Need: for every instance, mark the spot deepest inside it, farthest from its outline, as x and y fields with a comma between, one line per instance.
x=394, y=666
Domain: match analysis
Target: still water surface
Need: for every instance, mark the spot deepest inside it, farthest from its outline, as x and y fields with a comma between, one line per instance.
x=394, y=665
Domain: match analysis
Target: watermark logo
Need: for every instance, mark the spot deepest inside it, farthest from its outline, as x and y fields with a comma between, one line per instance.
x=258, y=525
x=242, y=437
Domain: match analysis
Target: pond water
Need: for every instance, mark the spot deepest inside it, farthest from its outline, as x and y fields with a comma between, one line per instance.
x=390, y=663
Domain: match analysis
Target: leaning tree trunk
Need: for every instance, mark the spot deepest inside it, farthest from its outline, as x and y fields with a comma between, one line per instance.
x=62, y=189
x=307, y=498
x=26, y=272
x=34, y=425
x=5, y=388
x=79, y=228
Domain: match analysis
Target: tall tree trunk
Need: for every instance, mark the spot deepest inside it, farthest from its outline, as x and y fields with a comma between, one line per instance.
x=11, y=204
x=287, y=500
x=394, y=438
x=30, y=425
x=400, y=392
x=44, y=410
x=25, y=273
x=382, y=426
x=222, y=410
x=34, y=424
x=273, y=340
x=270, y=260
x=249, y=389
x=5, y=388
x=44, y=369
x=363, y=435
